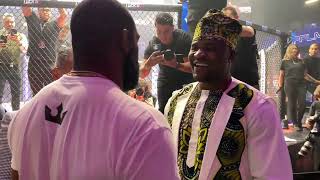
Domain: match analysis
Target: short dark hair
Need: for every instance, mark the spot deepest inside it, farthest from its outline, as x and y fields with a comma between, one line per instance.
x=96, y=25
x=62, y=55
x=164, y=19
x=232, y=9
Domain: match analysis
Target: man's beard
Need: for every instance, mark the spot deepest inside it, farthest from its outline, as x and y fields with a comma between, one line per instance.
x=131, y=71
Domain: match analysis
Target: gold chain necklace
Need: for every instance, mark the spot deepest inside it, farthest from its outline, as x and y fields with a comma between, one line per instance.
x=86, y=74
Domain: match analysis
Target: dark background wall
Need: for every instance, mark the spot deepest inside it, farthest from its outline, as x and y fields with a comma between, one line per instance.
x=284, y=15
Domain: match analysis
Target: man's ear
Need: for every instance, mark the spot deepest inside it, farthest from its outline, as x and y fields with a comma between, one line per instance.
x=125, y=42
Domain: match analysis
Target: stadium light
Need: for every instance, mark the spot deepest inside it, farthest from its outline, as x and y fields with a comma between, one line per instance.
x=308, y=2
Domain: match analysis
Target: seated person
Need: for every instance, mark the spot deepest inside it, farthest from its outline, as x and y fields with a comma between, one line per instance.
x=313, y=139
x=143, y=92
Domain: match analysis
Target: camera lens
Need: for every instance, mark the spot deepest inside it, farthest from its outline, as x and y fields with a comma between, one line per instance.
x=168, y=54
x=306, y=148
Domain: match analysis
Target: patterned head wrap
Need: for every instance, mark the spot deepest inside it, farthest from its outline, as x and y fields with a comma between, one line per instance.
x=215, y=25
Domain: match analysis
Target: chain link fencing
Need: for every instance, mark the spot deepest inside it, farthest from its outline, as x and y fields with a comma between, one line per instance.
x=23, y=74
x=31, y=71
x=271, y=51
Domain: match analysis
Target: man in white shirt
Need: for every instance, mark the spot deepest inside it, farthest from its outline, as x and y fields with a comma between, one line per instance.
x=222, y=127
x=83, y=126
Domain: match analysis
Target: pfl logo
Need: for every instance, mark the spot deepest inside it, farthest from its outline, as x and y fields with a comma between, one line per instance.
x=31, y=1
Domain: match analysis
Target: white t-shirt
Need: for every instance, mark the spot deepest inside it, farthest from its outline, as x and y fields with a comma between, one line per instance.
x=98, y=133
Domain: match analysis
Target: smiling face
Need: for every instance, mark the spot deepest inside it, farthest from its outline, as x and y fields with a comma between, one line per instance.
x=210, y=60
x=44, y=14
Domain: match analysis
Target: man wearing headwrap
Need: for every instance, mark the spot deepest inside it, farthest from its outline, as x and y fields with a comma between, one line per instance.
x=223, y=128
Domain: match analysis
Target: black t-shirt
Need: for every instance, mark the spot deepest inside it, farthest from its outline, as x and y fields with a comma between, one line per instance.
x=293, y=70
x=181, y=45
x=245, y=67
x=198, y=8
x=42, y=38
x=313, y=66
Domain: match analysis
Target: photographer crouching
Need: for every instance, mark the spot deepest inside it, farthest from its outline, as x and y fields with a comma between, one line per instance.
x=312, y=143
x=12, y=45
x=169, y=48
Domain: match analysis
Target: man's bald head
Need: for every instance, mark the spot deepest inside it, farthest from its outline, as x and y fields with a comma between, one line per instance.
x=96, y=24
x=105, y=40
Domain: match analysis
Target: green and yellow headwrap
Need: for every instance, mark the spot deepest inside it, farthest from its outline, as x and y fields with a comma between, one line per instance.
x=215, y=25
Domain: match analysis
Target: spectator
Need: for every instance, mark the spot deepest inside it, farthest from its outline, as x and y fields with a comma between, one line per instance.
x=43, y=36
x=64, y=62
x=174, y=71
x=313, y=65
x=64, y=37
x=63, y=65
x=292, y=77
x=83, y=126
x=143, y=92
x=197, y=9
x=223, y=128
x=313, y=139
x=245, y=66
x=13, y=45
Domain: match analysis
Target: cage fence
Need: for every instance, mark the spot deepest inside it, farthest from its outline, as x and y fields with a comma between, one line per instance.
x=21, y=75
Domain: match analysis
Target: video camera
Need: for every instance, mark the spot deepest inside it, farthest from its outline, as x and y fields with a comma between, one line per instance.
x=13, y=32
x=168, y=54
x=310, y=139
x=3, y=39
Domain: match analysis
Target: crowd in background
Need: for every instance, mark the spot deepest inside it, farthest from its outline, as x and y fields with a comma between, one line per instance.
x=215, y=81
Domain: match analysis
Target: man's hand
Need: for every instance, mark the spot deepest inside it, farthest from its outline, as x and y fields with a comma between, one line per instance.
x=316, y=93
x=247, y=31
x=27, y=11
x=3, y=45
x=61, y=21
x=310, y=122
x=171, y=63
x=155, y=58
x=279, y=89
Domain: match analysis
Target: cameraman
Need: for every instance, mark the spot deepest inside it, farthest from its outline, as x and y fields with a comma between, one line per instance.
x=313, y=123
x=169, y=48
x=12, y=45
